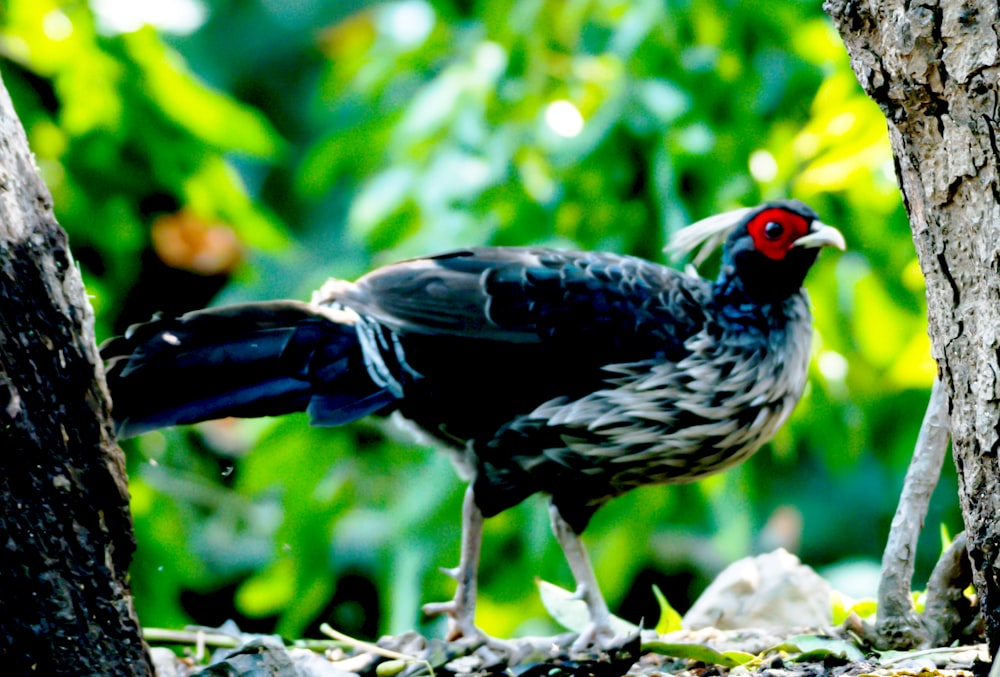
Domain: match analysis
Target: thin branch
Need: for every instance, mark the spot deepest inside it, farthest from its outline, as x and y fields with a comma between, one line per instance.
x=947, y=608
x=898, y=624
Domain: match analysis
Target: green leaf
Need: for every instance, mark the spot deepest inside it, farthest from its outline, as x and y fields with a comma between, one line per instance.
x=662, y=100
x=670, y=620
x=571, y=613
x=380, y=198
x=206, y=113
x=844, y=606
x=699, y=652
x=940, y=655
x=946, y=538
x=814, y=647
x=269, y=591
x=214, y=189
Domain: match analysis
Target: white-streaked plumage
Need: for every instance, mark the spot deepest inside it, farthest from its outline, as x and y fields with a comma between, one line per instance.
x=580, y=375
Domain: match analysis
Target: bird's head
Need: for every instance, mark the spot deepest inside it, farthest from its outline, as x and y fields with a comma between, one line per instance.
x=767, y=249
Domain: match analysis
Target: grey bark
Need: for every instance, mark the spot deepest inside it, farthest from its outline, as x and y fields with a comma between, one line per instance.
x=932, y=67
x=65, y=526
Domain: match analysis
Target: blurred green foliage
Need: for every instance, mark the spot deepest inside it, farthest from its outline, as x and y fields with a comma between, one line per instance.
x=264, y=148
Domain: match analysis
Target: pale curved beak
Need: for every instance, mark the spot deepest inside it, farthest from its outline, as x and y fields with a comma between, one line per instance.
x=822, y=235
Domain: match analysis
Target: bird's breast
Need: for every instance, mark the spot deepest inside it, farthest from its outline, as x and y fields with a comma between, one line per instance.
x=669, y=422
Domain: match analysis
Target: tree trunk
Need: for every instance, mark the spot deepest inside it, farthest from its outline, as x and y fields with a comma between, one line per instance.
x=932, y=67
x=66, y=530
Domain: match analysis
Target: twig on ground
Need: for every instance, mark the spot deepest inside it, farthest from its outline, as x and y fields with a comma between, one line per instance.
x=328, y=630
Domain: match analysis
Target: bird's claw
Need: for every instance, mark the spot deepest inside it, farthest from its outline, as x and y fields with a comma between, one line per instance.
x=597, y=636
x=460, y=625
x=463, y=630
x=453, y=573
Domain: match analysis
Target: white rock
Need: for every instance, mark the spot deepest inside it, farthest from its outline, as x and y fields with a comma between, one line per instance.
x=771, y=591
x=166, y=663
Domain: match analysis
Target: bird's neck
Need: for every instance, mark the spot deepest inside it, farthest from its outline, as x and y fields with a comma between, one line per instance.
x=756, y=284
x=736, y=297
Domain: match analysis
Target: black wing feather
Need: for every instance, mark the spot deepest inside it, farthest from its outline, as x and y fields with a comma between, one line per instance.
x=493, y=333
x=628, y=307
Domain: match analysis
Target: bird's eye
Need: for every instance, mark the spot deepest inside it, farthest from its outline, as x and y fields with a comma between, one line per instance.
x=773, y=230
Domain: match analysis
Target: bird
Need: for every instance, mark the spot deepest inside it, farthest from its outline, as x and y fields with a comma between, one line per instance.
x=577, y=375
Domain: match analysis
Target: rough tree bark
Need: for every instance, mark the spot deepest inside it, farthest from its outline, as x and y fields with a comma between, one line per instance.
x=932, y=67
x=65, y=526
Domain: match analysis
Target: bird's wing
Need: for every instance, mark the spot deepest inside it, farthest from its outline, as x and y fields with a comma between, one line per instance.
x=530, y=295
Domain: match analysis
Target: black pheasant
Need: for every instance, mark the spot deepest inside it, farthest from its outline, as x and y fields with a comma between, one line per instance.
x=579, y=375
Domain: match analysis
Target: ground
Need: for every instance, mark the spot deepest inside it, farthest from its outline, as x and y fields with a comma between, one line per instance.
x=704, y=653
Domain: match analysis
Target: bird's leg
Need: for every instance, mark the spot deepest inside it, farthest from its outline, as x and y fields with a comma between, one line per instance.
x=586, y=584
x=461, y=609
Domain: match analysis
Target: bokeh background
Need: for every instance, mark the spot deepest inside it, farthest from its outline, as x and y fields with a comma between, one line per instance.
x=211, y=151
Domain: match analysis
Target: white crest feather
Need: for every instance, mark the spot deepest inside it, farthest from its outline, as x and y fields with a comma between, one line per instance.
x=709, y=234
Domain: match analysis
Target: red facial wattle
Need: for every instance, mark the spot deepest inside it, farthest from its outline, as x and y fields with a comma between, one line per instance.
x=774, y=231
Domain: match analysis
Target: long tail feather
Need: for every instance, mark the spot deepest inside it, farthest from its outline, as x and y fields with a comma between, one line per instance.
x=258, y=359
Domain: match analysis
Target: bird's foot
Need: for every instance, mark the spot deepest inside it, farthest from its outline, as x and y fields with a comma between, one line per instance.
x=598, y=633
x=596, y=636
x=462, y=630
x=460, y=622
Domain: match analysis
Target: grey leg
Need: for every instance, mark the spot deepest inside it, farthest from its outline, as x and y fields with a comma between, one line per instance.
x=461, y=609
x=586, y=584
